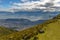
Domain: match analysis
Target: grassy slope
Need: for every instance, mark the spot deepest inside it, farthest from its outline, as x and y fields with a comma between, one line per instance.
x=51, y=32
x=5, y=31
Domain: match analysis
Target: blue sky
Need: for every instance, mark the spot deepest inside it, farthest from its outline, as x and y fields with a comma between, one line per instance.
x=32, y=6
x=7, y=3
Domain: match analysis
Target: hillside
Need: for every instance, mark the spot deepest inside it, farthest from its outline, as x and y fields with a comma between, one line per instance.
x=49, y=30
x=5, y=31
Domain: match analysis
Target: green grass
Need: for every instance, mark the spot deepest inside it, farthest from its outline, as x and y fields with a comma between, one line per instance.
x=5, y=31
x=52, y=32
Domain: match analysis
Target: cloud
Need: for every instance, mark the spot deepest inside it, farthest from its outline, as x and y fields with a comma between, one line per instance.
x=25, y=16
x=32, y=18
x=56, y=2
x=31, y=5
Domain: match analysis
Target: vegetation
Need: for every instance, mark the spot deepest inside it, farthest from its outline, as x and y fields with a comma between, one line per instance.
x=5, y=31
x=49, y=30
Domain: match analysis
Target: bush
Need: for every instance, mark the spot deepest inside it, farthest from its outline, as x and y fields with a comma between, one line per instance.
x=35, y=38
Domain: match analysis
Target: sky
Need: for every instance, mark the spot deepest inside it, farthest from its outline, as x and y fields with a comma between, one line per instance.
x=32, y=6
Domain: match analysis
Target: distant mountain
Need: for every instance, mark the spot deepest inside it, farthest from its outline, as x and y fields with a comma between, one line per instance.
x=49, y=30
x=34, y=13
x=18, y=24
x=39, y=22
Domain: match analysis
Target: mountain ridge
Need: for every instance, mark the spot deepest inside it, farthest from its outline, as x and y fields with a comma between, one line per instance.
x=18, y=24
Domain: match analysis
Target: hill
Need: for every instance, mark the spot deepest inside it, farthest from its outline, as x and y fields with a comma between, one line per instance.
x=5, y=31
x=49, y=30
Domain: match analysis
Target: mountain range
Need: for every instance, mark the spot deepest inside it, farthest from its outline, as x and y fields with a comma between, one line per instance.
x=19, y=24
x=22, y=23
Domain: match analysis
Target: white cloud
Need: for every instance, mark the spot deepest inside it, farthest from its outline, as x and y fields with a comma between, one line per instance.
x=29, y=6
x=35, y=18
x=56, y=3
x=33, y=5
